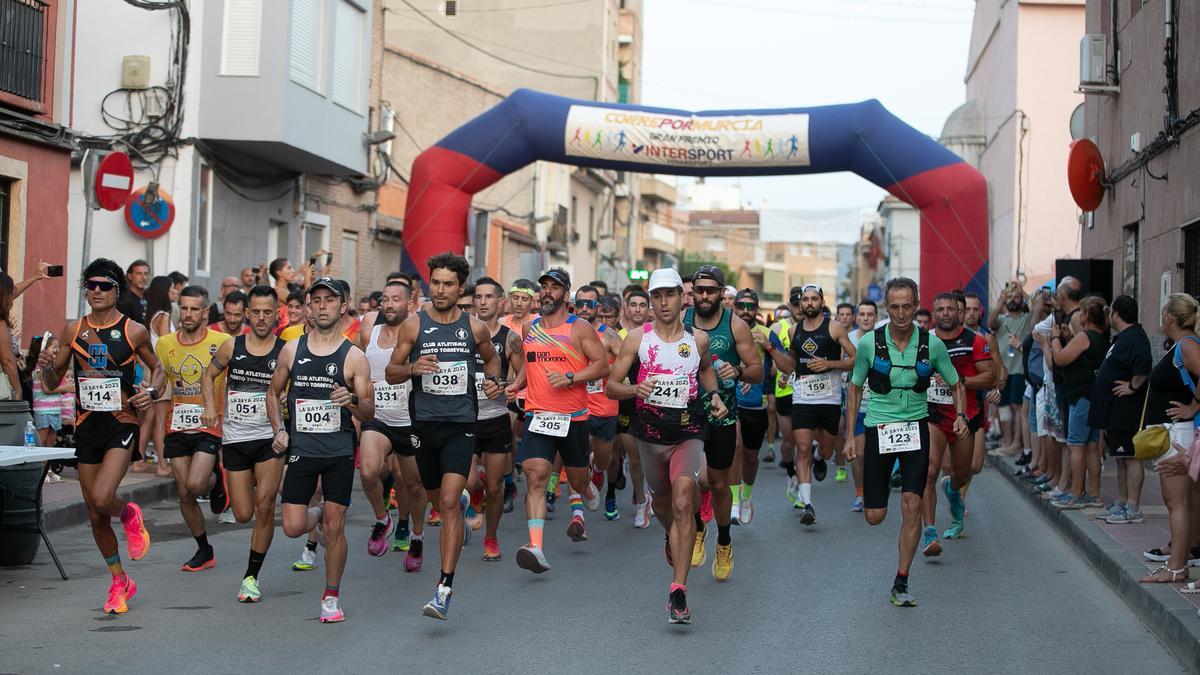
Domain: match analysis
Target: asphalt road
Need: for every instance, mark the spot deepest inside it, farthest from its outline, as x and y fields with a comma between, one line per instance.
x=1010, y=597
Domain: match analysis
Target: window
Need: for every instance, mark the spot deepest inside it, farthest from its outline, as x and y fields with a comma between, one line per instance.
x=304, y=65
x=240, y=33
x=6, y=187
x=24, y=47
x=591, y=223
x=1191, y=259
x=204, y=220
x=346, y=68
x=1131, y=262
x=349, y=270
x=277, y=240
x=574, y=210
x=314, y=235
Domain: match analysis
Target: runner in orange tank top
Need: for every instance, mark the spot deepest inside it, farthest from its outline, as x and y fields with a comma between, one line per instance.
x=562, y=354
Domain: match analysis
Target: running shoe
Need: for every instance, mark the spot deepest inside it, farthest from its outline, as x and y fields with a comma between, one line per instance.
x=641, y=520
x=1025, y=459
x=1110, y=510
x=954, y=500
x=552, y=484
x=897, y=481
x=722, y=565
x=510, y=495
x=610, y=509
x=954, y=531
x=597, y=480
x=530, y=557
x=931, y=548
x=699, y=553
x=902, y=598
x=677, y=609
x=1092, y=501
x=392, y=499
x=769, y=458
x=401, y=542
x=201, y=561
x=1057, y=494
x=1159, y=555
x=377, y=543
x=439, y=606
x=307, y=561
x=550, y=499
x=414, y=557
x=249, y=591
x=706, y=509
x=218, y=498
x=746, y=510
x=331, y=610
x=474, y=519
x=1068, y=502
x=840, y=474
x=591, y=502
x=798, y=503
x=793, y=488
x=227, y=517
x=119, y=593
x=137, y=538
x=809, y=516
x=491, y=549
x=1127, y=516
x=820, y=469
x=857, y=505
x=576, y=529
x=435, y=518
x=735, y=511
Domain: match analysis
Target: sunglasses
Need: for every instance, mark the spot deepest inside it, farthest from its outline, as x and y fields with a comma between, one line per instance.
x=587, y=303
x=747, y=306
x=707, y=290
x=466, y=307
x=102, y=286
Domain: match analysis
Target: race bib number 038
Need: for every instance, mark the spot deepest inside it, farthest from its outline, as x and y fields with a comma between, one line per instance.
x=670, y=391
x=550, y=424
x=899, y=437
x=812, y=387
x=317, y=416
x=450, y=380
x=247, y=406
x=100, y=394
x=186, y=416
x=391, y=396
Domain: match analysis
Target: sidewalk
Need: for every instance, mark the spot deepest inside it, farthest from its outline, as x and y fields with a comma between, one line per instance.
x=63, y=502
x=1115, y=551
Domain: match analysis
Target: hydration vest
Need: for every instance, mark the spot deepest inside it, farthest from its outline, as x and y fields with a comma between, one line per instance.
x=879, y=376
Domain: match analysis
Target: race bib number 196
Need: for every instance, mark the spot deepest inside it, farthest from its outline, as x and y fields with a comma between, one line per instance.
x=899, y=437
x=939, y=393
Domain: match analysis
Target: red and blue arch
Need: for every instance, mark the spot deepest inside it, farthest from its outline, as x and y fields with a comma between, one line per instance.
x=863, y=138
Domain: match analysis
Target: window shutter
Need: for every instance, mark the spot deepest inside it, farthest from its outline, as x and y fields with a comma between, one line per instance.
x=240, y=35
x=306, y=43
x=347, y=54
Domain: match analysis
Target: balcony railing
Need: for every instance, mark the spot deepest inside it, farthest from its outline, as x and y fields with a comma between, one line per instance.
x=23, y=26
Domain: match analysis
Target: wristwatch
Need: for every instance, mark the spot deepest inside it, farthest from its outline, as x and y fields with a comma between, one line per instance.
x=570, y=376
x=153, y=393
x=354, y=400
x=964, y=416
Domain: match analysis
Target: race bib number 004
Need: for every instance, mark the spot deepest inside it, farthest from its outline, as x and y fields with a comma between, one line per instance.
x=247, y=407
x=391, y=396
x=550, y=424
x=186, y=416
x=317, y=416
x=670, y=391
x=812, y=387
x=450, y=380
x=100, y=394
x=899, y=437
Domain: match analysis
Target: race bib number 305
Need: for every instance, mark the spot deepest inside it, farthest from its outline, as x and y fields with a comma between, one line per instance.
x=186, y=416
x=550, y=424
x=100, y=394
x=670, y=391
x=247, y=407
x=317, y=416
x=450, y=380
x=899, y=437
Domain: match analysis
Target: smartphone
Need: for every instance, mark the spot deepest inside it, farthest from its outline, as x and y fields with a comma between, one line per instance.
x=328, y=259
x=54, y=271
x=312, y=261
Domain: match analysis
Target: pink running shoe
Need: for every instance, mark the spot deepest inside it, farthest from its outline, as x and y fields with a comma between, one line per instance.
x=377, y=544
x=415, y=556
x=120, y=592
x=136, y=537
x=706, y=510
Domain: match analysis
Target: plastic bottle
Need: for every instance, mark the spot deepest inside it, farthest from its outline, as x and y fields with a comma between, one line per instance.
x=30, y=435
x=717, y=363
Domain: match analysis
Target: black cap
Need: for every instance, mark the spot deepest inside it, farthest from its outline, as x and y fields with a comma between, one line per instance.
x=333, y=285
x=709, y=272
x=747, y=294
x=558, y=276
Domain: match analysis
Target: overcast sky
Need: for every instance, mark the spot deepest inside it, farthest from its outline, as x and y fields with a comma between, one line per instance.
x=714, y=54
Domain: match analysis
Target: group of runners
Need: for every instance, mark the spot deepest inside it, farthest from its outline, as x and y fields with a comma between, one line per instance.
x=439, y=401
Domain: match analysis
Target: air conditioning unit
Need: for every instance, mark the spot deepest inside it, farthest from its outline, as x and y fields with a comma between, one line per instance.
x=1093, y=59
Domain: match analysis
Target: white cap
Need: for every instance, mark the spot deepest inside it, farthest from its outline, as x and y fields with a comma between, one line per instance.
x=730, y=290
x=666, y=277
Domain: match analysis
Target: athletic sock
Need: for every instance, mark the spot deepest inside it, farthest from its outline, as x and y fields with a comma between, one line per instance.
x=736, y=491
x=535, y=531
x=202, y=542
x=330, y=592
x=256, y=562
x=611, y=492
x=790, y=467
x=806, y=493
x=508, y=480
x=723, y=535
x=747, y=490
x=576, y=505
x=447, y=579
x=699, y=522
x=114, y=565
x=401, y=527
x=310, y=545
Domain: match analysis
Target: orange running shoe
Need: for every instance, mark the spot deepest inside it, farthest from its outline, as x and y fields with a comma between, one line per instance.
x=137, y=538
x=491, y=549
x=119, y=593
x=435, y=518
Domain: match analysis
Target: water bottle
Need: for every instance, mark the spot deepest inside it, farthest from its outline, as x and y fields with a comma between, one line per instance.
x=717, y=363
x=30, y=435
x=1011, y=351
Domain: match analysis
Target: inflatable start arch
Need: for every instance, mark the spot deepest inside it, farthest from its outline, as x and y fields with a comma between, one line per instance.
x=861, y=137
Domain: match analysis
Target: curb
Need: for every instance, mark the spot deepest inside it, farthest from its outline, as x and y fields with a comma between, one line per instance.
x=1169, y=617
x=75, y=513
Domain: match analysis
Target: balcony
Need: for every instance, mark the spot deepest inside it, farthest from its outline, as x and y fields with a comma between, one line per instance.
x=657, y=237
x=286, y=82
x=653, y=188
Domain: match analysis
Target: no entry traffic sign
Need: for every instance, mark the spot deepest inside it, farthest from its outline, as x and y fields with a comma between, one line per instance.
x=114, y=180
x=149, y=221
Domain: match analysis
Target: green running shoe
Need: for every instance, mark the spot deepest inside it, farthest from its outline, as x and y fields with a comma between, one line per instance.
x=840, y=475
x=954, y=531
x=249, y=591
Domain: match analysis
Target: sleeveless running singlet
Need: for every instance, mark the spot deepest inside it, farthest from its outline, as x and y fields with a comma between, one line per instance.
x=104, y=367
x=550, y=349
x=490, y=409
x=721, y=346
x=319, y=427
x=965, y=350
x=674, y=412
x=816, y=388
x=783, y=384
x=247, y=381
x=599, y=404
x=449, y=394
x=391, y=400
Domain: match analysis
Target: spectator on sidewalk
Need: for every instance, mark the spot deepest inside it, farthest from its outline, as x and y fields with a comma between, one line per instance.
x=178, y=281
x=1078, y=351
x=233, y=315
x=217, y=310
x=1033, y=360
x=47, y=406
x=133, y=303
x=160, y=296
x=10, y=384
x=1010, y=321
x=1118, y=395
x=1172, y=401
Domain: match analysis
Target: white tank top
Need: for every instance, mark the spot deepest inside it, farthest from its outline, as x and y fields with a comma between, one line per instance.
x=391, y=400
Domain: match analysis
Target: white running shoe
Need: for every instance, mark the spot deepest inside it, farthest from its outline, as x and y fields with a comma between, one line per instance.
x=746, y=511
x=735, y=512
x=641, y=515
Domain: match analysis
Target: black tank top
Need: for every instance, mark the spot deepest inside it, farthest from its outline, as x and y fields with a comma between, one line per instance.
x=319, y=429
x=1079, y=375
x=449, y=395
x=493, y=408
x=1166, y=385
x=99, y=356
x=247, y=374
x=808, y=345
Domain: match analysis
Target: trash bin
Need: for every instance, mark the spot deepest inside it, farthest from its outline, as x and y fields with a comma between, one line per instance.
x=19, y=538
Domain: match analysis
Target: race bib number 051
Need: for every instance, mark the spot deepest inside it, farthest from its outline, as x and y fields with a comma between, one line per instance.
x=100, y=394
x=670, y=391
x=247, y=406
x=550, y=424
x=450, y=380
x=317, y=416
x=899, y=437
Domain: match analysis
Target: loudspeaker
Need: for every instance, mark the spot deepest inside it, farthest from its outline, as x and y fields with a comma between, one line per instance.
x=1095, y=274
